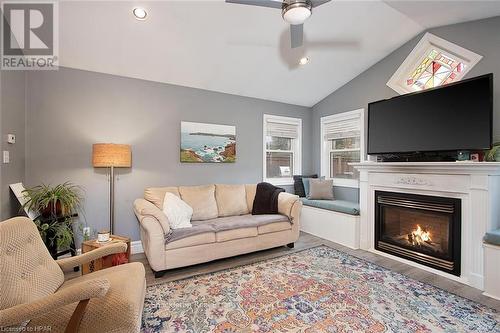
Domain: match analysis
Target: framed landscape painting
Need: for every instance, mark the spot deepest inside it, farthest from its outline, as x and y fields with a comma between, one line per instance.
x=207, y=143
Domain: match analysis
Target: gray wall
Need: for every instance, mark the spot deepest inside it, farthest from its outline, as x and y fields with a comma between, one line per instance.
x=481, y=36
x=69, y=110
x=13, y=84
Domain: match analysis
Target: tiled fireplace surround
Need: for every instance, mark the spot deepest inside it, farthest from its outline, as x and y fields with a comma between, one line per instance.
x=477, y=184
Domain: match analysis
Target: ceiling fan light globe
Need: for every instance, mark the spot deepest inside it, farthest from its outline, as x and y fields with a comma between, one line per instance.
x=296, y=14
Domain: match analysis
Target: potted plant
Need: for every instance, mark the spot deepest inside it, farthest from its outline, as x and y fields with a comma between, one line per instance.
x=56, y=206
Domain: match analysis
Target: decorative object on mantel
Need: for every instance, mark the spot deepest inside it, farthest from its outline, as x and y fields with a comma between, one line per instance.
x=207, y=143
x=493, y=155
x=463, y=155
x=314, y=290
x=111, y=155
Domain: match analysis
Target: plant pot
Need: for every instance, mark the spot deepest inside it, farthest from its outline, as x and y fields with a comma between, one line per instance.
x=49, y=210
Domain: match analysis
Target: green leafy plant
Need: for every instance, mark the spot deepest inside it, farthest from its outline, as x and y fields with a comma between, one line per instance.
x=56, y=206
x=490, y=154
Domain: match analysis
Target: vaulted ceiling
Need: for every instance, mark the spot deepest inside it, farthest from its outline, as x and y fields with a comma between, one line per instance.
x=244, y=50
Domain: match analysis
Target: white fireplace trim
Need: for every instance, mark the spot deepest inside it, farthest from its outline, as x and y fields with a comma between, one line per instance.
x=476, y=184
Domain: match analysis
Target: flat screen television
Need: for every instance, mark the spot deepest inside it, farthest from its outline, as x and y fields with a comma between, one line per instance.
x=454, y=117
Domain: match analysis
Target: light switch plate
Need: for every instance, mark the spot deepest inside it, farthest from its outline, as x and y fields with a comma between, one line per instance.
x=11, y=138
x=6, y=156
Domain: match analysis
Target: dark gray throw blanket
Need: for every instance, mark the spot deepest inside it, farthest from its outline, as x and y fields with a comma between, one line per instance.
x=266, y=199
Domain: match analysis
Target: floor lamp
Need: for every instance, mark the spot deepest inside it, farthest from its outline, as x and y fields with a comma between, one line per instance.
x=110, y=155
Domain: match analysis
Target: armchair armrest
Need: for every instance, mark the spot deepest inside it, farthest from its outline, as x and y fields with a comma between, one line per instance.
x=67, y=264
x=144, y=208
x=75, y=293
x=286, y=202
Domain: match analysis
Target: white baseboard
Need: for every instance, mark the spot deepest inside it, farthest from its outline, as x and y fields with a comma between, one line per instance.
x=135, y=247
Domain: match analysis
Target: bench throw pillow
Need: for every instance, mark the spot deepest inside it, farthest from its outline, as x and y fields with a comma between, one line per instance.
x=177, y=211
x=320, y=189
x=298, y=186
x=306, y=181
x=202, y=200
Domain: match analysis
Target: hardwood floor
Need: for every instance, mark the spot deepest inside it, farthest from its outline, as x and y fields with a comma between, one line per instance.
x=307, y=241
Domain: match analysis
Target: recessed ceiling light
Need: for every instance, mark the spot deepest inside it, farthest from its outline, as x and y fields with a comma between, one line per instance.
x=140, y=13
x=304, y=61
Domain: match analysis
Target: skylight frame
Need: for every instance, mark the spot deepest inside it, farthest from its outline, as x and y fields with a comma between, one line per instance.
x=431, y=42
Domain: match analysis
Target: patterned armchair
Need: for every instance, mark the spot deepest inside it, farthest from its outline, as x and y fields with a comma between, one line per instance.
x=33, y=292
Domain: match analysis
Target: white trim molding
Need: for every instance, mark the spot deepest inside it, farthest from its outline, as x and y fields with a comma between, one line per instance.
x=324, y=149
x=428, y=42
x=296, y=149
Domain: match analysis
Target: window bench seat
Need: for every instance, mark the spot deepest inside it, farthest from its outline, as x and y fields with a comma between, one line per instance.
x=333, y=220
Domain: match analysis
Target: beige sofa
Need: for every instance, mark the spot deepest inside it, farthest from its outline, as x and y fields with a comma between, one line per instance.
x=222, y=225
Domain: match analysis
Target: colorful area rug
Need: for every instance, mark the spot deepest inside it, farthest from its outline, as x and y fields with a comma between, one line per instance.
x=315, y=290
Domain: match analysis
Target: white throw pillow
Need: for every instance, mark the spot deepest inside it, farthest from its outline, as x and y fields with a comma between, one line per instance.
x=177, y=211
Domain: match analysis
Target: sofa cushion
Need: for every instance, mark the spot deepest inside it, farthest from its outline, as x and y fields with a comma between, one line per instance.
x=231, y=200
x=251, y=189
x=156, y=195
x=193, y=240
x=342, y=206
x=492, y=237
x=196, y=229
x=274, y=227
x=227, y=235
x=242, y=221
x=202, y=200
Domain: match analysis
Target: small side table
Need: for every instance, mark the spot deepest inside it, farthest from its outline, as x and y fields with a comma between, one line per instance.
x=107, y=261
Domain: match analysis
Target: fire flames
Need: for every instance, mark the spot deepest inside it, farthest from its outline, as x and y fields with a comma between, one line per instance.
x=419, y=236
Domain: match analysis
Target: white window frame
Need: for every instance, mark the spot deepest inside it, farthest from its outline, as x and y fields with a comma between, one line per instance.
x=297, y=149
x=429, y=41
x=325, y=145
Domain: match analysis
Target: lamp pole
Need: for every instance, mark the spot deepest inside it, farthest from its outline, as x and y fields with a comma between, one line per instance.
x=111, y=199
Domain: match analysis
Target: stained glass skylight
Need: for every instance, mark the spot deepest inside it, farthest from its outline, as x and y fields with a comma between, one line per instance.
x=432, y=63
x=435, y=70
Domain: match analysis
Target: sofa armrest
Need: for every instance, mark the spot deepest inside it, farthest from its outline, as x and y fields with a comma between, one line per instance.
x=78, y=292
x=144, y=208
x=286, y=203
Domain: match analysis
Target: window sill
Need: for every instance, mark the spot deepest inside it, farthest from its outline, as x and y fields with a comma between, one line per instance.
x=282, y=182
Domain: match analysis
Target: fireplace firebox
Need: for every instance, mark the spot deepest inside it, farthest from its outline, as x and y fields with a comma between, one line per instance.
x=421, y=228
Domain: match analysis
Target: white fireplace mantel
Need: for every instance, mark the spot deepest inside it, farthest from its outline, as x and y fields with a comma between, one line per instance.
x=477, y=184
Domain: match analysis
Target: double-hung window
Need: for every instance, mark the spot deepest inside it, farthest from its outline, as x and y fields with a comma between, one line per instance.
x=342, y=143
x=282, y=149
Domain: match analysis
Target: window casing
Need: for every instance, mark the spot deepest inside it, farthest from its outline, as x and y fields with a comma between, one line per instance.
x=342, y=142
x=282, y=145
x=432, y=63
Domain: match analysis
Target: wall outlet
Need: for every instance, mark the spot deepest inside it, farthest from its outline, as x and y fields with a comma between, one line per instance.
x=6, y=156
x=11, y=138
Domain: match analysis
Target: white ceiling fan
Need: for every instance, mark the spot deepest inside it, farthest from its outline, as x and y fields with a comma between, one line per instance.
x=294, y=12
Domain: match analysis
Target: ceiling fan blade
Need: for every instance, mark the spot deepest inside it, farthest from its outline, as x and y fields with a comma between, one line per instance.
x=316, y=3
x=296, y=35
x=262, y=3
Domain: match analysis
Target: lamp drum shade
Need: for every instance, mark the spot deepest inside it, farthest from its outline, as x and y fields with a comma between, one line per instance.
x=111, y=155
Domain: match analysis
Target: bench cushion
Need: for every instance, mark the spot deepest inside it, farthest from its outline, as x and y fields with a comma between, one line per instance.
x=342, y=206
x=493, y=237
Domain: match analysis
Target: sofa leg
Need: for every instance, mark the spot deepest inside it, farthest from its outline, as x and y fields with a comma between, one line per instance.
x=159, y=274
x=290, y=245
